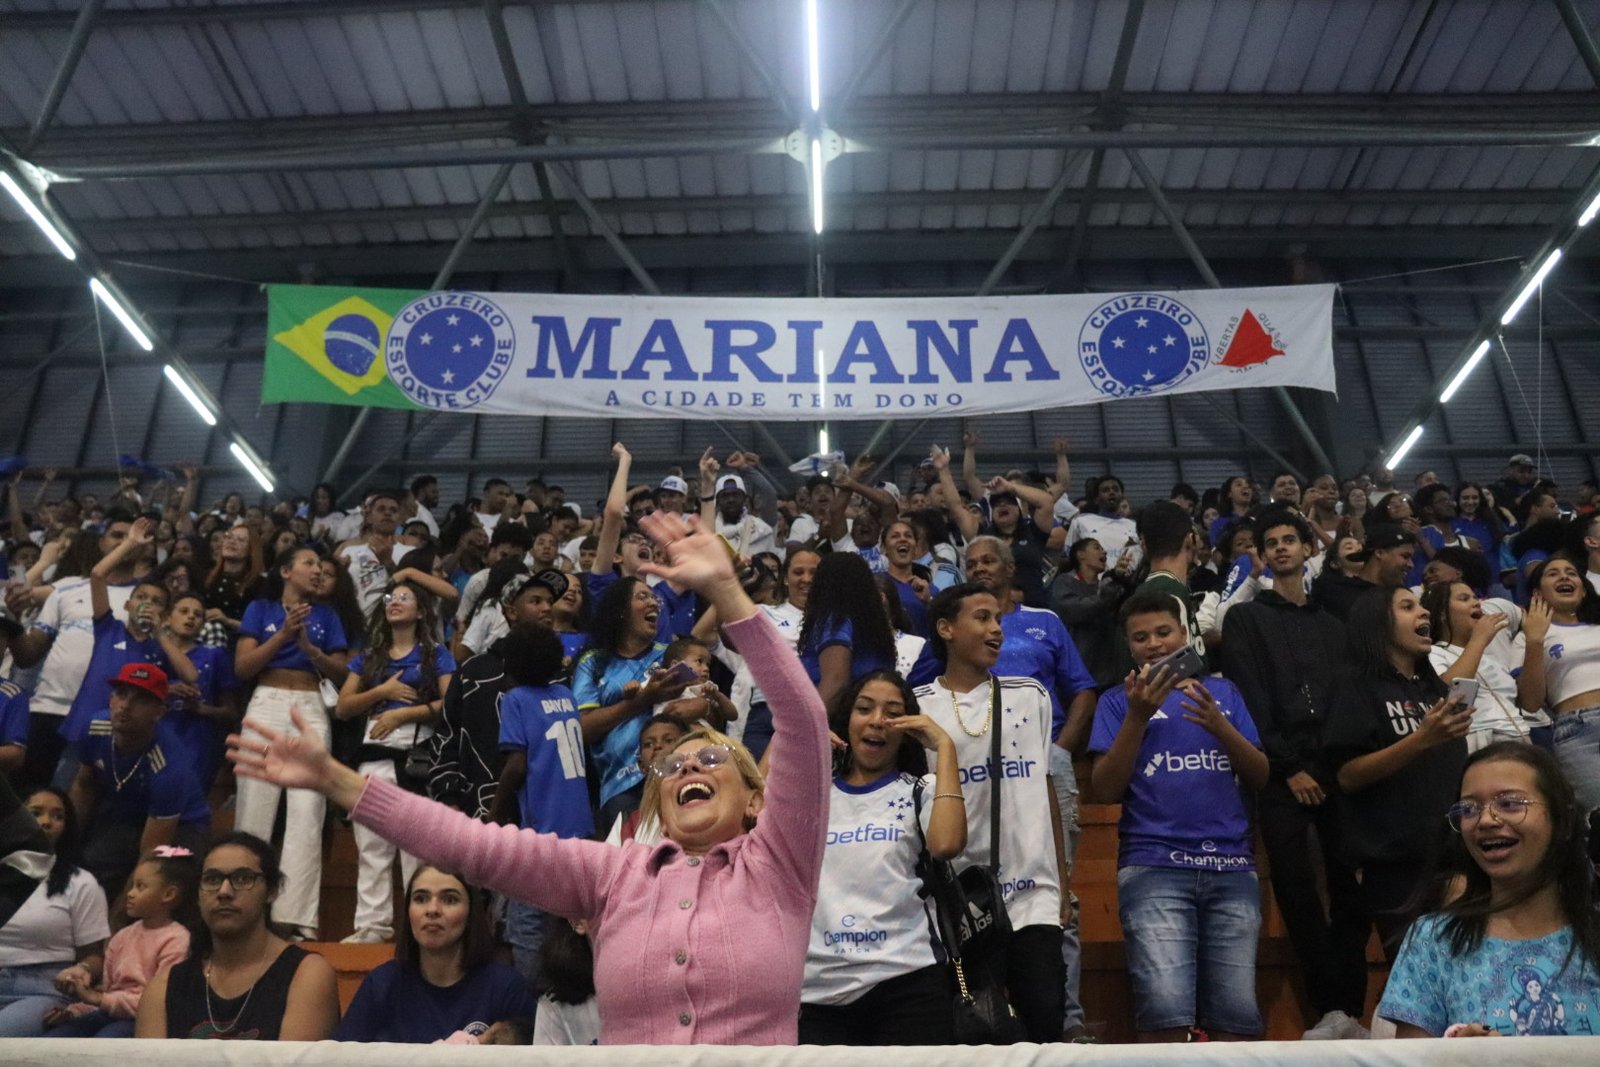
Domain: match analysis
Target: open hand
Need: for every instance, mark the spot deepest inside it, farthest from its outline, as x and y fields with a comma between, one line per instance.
x=1536, y=620
x=929, y=734
x=1487, y=626
x=1202, y=708
x=386, y=724
x=395, y=689
x=691, y=556
x=293, y=760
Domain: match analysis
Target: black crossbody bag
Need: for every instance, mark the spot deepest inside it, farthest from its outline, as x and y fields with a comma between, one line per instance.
x=970, y=914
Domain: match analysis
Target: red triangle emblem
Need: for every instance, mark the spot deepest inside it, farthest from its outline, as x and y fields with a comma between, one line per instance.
x=1250, y=344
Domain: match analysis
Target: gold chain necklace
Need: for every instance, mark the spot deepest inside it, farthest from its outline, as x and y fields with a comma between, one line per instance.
x=955, y=705
x=124, y=779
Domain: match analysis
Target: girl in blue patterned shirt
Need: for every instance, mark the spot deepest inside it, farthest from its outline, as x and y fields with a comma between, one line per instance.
x=1514, y=949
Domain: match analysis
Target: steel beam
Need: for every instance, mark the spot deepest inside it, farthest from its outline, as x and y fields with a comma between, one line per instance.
x=409, y=264
x=1197, y=257
x=440, y=280
x=755, y=61
x=82, y=25
x=606, y=231
x=271, y=11
x=1579, y=32
x=932, y=112
x=1035, y=219
x=846, y=99
x=838, y=204
x=1587, y=137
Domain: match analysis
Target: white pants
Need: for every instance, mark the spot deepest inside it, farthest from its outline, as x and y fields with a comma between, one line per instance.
x=374, y=891
x=257, y=809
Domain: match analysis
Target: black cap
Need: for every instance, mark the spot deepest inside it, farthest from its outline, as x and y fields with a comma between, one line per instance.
x=1381, y=536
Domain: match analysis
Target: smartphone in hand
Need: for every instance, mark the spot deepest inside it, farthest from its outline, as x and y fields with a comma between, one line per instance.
x=1464, y=692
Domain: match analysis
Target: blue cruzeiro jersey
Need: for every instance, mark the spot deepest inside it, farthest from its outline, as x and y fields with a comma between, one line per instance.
x=1183, y=807
x=542, y=722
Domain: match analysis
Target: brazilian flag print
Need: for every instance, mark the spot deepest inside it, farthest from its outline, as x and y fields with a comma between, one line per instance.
x=325, y=345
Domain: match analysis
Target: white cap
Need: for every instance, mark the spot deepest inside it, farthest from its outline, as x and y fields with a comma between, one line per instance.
x=729, y=482
x=674, y=484
x=891, y=488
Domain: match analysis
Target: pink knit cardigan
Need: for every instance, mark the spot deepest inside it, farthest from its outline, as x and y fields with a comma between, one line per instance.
x=688, y=949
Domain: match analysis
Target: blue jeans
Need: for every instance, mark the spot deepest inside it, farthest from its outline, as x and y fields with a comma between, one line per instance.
x=525, y=934
x=1577, y=749
x=1066, y=787
x=758, y=729
x=27, y=992
x=1191, y=939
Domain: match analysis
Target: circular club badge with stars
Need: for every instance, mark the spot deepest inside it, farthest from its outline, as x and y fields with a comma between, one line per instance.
x=449, y=351
x=1141, y=343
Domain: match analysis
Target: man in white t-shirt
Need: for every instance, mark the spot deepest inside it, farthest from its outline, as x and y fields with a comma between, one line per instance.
x=371, y=561
x=1117, y=533
x=969, y=702
x=62, y=637
x=420, y=501
x=496, y=491
x=747, y=533
x=819, y=501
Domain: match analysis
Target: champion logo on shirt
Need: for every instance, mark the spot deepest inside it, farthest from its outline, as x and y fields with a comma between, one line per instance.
x=121, y=646
x=1556, y=650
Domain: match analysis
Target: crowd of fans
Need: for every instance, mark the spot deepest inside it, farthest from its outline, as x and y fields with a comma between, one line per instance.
x=1395, y=694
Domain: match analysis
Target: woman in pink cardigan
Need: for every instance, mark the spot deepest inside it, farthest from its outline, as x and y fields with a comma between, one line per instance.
x=700, y=939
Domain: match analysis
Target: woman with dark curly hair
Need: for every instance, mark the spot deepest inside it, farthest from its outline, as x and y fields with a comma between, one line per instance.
x=617, y=690
x=845, y=632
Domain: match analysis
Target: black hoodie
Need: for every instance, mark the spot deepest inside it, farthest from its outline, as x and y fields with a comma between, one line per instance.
x=1284, y=658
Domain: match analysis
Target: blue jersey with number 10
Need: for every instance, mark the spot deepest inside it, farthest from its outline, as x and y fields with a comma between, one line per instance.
x=542, y=721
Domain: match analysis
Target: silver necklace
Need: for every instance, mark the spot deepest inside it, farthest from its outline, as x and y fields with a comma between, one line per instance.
x=212, y=1019
x=124, y=779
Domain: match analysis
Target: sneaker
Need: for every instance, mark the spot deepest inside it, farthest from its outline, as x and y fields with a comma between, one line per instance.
x=1336, y=1026
x=366, y=936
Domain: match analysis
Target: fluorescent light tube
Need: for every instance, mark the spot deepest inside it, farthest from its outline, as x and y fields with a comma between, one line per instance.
x=1465, y=372
x=816, y=185
x=813, y=56
x=1590, y=212
x=250, y=465
x=1532, y=287
x=98, y=288
x=1405, y=446
x=189, y=394
x=29, y=208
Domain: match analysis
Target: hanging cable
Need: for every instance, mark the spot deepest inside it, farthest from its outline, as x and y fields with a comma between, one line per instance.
x=111, y=414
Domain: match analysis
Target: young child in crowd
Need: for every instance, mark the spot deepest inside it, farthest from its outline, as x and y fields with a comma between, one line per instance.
x=568, y=1014
x=201, y=712
x=161, y=905
x=703, y=700
x=543, y=784
x=659, y=735
x=1172, y=751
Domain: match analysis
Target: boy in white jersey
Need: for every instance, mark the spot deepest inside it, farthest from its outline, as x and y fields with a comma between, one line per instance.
x=967, y=701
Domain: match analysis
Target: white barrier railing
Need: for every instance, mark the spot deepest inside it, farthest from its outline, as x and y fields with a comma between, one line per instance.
x=1510, y=1052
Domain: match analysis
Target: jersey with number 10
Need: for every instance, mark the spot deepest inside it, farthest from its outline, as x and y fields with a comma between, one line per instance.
x=542, y=721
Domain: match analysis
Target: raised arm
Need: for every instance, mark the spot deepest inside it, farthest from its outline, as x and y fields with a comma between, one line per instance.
x=969, y=464
x=794, y=816
x=616, y=508
x=139, y=534
x=965, y=521
x=567, y=876
x=708, y=488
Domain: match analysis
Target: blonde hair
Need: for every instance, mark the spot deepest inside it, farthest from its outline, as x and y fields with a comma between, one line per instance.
x=650, y=804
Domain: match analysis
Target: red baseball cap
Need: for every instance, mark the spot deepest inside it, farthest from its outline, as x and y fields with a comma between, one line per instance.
x=146, y=676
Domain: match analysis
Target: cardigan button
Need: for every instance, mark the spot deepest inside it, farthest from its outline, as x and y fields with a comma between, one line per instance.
x=694, y=861
x=685, y=903
x=681, y=957
x=684, y=1019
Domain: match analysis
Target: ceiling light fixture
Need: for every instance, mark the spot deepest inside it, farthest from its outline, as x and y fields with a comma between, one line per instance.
x=31, y=209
